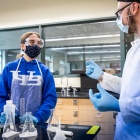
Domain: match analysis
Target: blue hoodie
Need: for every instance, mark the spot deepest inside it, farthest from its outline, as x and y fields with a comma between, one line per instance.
x=49, y=96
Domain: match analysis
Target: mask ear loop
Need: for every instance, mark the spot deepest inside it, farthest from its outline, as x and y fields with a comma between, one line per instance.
x=128, y=19
x=25, y=43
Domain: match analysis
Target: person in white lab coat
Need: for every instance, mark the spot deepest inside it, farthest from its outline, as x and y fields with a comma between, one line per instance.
x=128, y=105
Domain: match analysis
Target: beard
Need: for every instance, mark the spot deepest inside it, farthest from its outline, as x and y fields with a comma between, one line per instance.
x=132, y=25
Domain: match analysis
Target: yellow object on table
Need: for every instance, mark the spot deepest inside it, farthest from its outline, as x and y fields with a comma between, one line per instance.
x=93, y=130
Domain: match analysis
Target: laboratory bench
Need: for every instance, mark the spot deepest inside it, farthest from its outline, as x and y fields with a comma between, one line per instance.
x=79, y=132
x=79, y=110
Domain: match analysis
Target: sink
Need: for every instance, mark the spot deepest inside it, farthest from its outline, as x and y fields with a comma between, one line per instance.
x=81, y=94
x=77, y=94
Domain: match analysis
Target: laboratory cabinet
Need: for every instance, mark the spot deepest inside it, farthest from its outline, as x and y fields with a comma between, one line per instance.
x=67, y=110
x=81, y=112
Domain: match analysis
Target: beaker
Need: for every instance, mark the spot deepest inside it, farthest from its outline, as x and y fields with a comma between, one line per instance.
x=29, y=129
x=9, y=126
x=53, y=125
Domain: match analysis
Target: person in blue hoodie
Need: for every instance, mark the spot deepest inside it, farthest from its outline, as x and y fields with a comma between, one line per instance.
x=29, y=79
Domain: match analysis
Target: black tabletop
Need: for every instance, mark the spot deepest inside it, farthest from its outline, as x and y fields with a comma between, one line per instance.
x=79, y=133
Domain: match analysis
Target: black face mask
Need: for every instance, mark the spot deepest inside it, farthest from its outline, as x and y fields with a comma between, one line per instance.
x=32, y=51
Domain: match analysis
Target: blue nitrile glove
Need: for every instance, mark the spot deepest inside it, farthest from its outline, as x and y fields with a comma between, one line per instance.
x=23, y=118
x=2, y=118
x=103, y=101
x=93, y=70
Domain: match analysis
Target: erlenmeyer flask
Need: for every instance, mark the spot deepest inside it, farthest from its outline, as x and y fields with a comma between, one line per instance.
x=53, y=125
x=9, y=126
x=29, y=129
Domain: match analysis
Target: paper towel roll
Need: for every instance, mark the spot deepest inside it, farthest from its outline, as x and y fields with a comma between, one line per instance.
x=68, y=133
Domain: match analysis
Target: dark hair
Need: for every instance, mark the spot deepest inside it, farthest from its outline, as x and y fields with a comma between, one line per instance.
x=26, y=35
x=129, y=1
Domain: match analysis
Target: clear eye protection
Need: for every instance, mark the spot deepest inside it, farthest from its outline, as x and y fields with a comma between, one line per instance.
x=32, y=42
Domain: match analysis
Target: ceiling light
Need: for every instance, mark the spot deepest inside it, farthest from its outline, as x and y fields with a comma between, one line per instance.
x=66, y=48
x=91, y=52
x=82, y=37
x=86, y=47
x=110, y=57
x=10, y=55
x=107, y=60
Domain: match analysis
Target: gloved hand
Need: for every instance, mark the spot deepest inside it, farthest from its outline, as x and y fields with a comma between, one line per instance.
x=2, y=118
x=103, y=101
x=23, y=118
x=93, y=70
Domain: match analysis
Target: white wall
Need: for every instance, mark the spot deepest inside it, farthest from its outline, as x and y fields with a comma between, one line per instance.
x=72, y=81
x=16, y=13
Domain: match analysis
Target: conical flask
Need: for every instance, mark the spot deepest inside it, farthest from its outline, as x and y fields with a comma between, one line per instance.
x=9, y=126
x=29, y=129
x=53, y=125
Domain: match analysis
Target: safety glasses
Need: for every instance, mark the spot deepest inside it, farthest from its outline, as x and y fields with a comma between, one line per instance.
x=120, y=10
x=32, y=42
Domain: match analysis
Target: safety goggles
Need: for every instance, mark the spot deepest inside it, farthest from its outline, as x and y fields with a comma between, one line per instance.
x=33, y=42
x=118, y=13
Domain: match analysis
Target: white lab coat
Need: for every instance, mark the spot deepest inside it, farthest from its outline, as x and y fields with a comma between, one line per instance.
x=128, y=120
